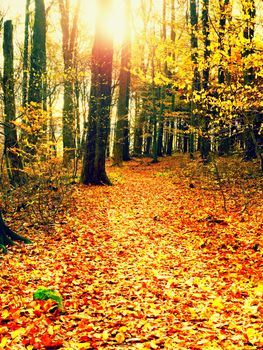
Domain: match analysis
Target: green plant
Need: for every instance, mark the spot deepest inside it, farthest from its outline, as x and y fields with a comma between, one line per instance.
x=43, y=293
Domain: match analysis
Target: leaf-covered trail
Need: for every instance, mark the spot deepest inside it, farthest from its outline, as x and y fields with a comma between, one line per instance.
x=148, y=263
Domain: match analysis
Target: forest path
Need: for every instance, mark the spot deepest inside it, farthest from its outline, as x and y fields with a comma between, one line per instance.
x=149, y=263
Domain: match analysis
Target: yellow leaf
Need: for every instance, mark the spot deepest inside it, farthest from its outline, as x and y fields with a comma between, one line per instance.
x=218, y=303
x=120, y=337
x=30, y=347
x=3, y=342
x=123, y=329
x=153, y=345
x=17, y=332
x=50, y=330
x=5, y=314
x=252, y=334
x=83, y=345
x=105, y=335
x=259, y=289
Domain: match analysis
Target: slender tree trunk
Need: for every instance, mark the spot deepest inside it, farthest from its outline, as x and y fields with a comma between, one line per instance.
x=37, y=78
x=250, y=141
x=224, y=143
x=25, y=58
x=12, y=153
x=138, y=128
x=223, y=4
x=205, y=138
x=161, y=89
x=93, y=171
x=172, y=124
x=196, y=83
x=38, y=56
x=142, y=143
x=154, y=109
x=121, y=146
x=69, y=44
x=171, y=131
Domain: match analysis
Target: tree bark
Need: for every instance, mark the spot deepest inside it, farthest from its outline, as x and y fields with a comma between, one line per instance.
x=93, y=170
x=38, y=57
x=121, y=146
x=37, y=78
x=11, y=149
x=224, y=142
x=196, y=82
x=25, y=58
x=7, y=236
x=69, y=45
x=205, y=138
x=170, y=138
x=251, y=119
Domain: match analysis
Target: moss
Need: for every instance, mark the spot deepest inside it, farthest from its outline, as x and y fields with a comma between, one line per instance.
x=43, y=293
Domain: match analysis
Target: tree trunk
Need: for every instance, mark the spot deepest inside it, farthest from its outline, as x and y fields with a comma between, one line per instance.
x=7, y=236
x=224, y=143
x=37, y=79
x=154, y=109
x=170, y=140
x=205, y=138
x=12, y=153
x=25, y=58
x=196, y=83
x=249, y=10
x=138, y=128
x=161, y=89
x=223, y=4
x=69, y=44
x=121, y=147
x=38, y=56
x=93, y=170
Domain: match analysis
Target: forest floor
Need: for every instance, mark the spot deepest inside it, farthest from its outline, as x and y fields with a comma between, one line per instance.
x=170, y=257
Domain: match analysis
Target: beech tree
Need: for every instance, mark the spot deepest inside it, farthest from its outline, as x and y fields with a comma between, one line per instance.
x=69, y=35
x=38, y=57
x=11, y=148
x=205, y=138
x=223, y=74
x=93, y=169
x=37, y=78
x=196, y=82
x=142, y=93
x=121, y=141
x=25, y=57
x=170, y=124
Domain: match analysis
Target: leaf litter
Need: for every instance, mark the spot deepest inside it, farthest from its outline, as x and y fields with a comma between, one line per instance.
x=149, y=263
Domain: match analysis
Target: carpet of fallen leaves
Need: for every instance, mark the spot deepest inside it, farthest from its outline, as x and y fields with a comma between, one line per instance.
x=170, y=257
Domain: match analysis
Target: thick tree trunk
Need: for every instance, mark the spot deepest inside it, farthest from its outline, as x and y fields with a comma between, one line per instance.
x=7, y=236
x=93, y=170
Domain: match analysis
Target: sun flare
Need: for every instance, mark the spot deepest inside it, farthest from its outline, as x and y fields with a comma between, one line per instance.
x=114, y=24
